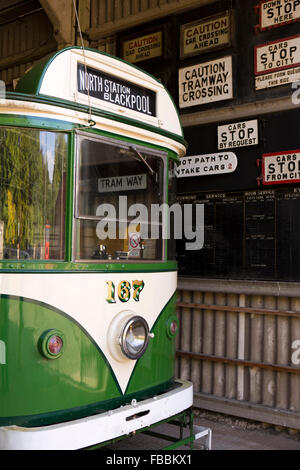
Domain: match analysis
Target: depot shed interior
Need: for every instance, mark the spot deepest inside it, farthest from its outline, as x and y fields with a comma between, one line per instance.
x=232, y=68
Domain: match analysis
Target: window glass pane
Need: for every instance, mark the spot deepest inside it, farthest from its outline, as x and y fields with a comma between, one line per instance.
x=172, y=180
x=32, y=193
x=118, y=192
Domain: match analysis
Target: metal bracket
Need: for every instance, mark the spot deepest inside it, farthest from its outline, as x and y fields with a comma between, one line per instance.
x=199, y=432
x=185, y=420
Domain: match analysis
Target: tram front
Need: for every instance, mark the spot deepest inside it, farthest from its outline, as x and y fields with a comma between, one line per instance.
x=88, y=278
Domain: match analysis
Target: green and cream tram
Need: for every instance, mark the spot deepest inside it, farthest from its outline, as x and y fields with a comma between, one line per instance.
x=87, y=277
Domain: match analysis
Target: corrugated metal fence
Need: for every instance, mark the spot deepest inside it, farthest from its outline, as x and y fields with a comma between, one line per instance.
x=240, y=346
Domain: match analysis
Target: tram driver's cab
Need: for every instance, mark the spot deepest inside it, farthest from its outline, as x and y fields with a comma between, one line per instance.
x=119, y=191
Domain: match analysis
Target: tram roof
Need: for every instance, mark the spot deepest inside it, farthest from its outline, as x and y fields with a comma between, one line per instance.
x=101, y=82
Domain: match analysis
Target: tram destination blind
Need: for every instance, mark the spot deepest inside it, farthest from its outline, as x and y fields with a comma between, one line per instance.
x=115, y=91
x=247, y=235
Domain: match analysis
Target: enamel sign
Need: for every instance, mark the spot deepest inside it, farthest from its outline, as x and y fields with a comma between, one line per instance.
x=114, y=90
x=143, y=48
x=206, y=82
x=281, y=167
x=278, y=12
x=277, y=63
x=202, y=36
x=238, y=134
x=209, y=164
x=122, y=183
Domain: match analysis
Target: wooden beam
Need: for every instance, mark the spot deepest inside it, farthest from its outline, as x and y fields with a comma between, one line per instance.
x=27, y=56
x=62, y=16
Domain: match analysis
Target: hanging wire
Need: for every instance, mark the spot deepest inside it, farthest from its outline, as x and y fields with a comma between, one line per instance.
x=90, y=120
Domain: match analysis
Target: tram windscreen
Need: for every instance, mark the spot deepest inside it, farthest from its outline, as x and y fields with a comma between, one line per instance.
x=119, y=193
x=32, y=193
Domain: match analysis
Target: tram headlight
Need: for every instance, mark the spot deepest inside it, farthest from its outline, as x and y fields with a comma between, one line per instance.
x=128, y=336
x=134, y=337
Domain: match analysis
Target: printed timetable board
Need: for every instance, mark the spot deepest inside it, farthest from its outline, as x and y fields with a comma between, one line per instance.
x=277, y=63
x=278, y=12
x=259, y=247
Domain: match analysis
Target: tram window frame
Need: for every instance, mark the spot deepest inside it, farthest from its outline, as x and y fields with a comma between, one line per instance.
x=126, y=145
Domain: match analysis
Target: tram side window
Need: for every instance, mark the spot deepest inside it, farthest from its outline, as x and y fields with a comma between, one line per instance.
x=117, y=186
x=32, y=193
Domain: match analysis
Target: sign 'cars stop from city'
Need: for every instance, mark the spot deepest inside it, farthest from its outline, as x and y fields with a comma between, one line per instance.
x=281, y=167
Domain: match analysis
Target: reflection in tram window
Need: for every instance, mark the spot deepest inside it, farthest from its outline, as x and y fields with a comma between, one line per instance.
x=32, y=193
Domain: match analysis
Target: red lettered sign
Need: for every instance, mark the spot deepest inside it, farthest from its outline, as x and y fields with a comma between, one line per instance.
x=281, y=167
x=277, y=55
x=278, y=12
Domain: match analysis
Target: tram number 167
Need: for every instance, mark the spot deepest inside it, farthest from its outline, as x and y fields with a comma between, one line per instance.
x=124, y=291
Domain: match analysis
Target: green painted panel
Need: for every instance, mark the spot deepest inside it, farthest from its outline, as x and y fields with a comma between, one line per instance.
x=32, y=384
x=44, y=123
x=21, y=266
x=35, y=390
x=157, y=364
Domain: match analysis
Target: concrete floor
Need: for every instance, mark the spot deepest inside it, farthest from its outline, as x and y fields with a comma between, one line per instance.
x=226, y=435
x=230, y=437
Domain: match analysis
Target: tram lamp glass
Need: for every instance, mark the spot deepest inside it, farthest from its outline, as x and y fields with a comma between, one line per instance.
x=172, y=327
x=55, y=344
x=52, y=344
x=134, y=337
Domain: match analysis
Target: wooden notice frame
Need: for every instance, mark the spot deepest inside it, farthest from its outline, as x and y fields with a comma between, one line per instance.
x=207, y=34
x=281, y=167
x=143, y=46
x=274, y=52
x=279, y=13
x=206, y=82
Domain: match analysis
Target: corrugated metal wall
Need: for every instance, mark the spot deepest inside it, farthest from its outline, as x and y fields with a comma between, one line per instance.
x=109, y=17
x=241, y=350
x=108, y=11
x=22, y=42
x=27, y=38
